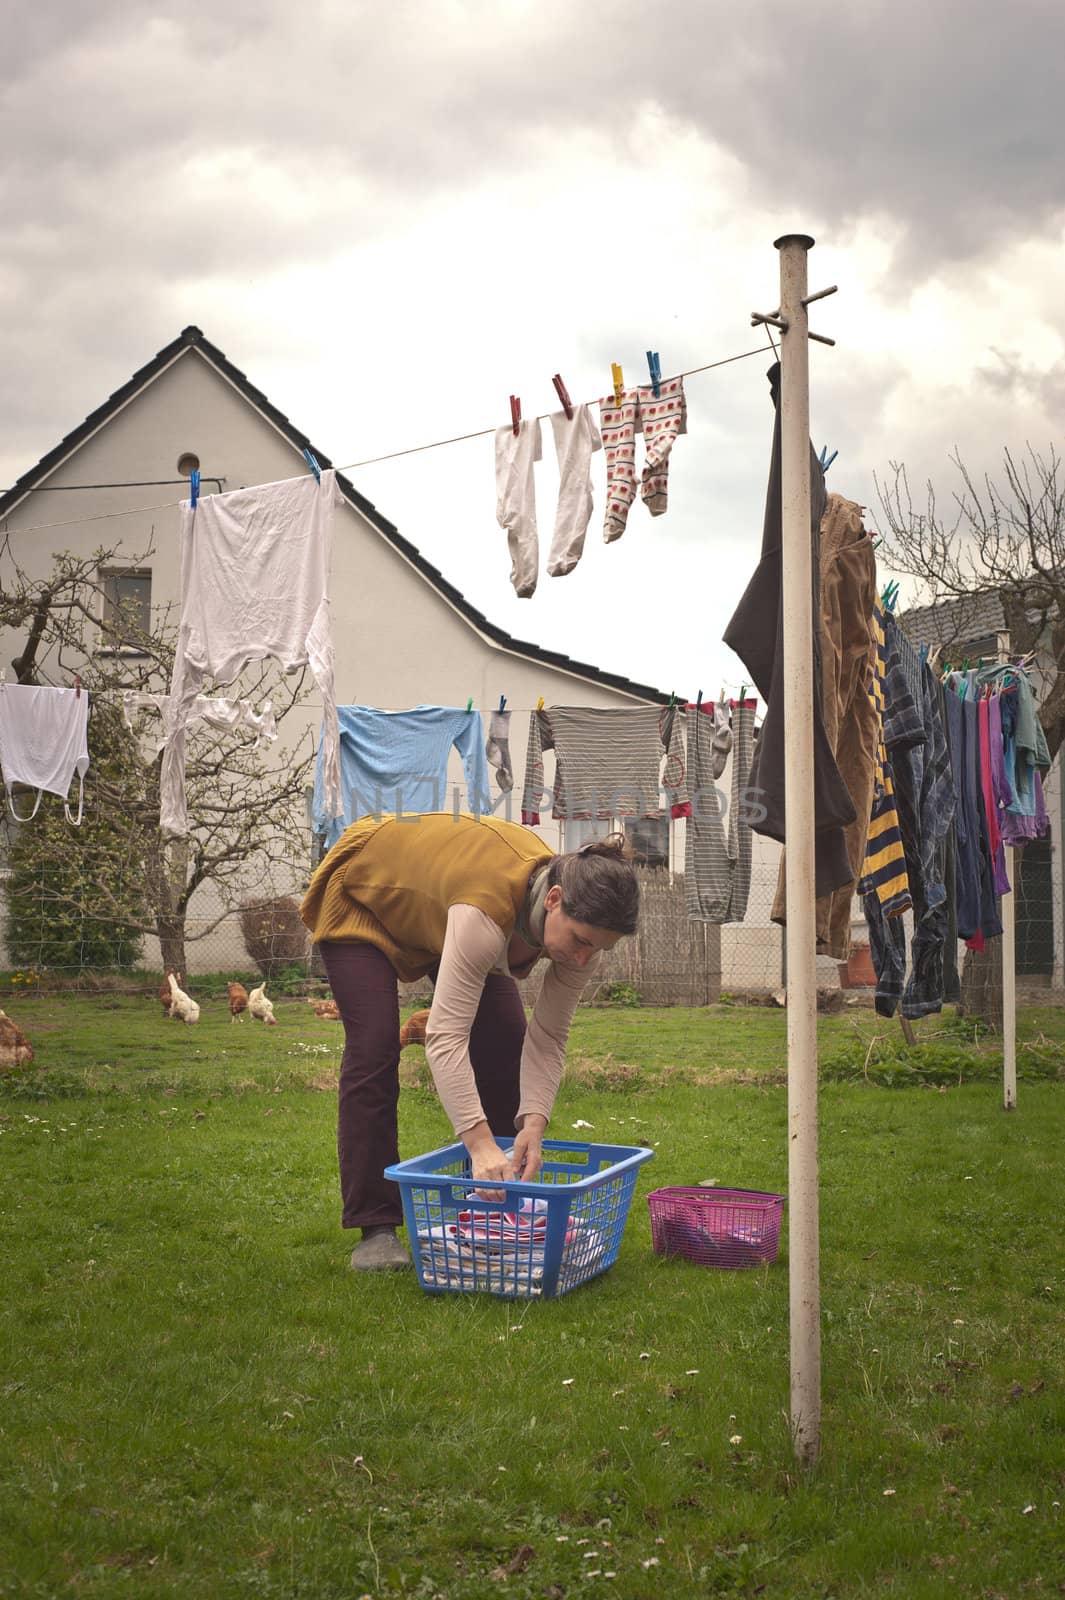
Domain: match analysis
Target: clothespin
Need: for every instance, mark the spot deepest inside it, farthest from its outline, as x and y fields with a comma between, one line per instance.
x=824, y=452
x=924, y=654
x=540, y=703
x=515, y=414
x=469, y=703
x=698, y=699
x=502, y=701
x=567, y=403
x=672, y=701
x=619, y=382
x=194, y=488
x=743, y=692
x=721, y=696
x=655, y=369
x=312, y=463
x=77, y=685
x=877, y=540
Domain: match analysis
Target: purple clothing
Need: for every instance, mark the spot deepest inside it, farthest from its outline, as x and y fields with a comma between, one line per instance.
x=999, y=878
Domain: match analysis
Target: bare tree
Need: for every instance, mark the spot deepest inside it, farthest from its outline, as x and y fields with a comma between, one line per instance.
x=1000, y=537
x=246, y=809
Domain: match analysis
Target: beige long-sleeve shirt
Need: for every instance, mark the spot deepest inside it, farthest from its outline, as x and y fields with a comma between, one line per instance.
x=474, y=946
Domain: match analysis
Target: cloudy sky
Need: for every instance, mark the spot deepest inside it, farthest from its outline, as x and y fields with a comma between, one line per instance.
x=392, y=215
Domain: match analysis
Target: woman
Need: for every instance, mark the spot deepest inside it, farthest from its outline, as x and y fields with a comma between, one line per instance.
x=474, y=903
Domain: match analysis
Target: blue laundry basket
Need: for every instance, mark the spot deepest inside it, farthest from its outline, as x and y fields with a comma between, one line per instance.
x=540, y=1241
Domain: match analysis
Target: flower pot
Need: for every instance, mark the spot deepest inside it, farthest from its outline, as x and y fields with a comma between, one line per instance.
x=858, y=972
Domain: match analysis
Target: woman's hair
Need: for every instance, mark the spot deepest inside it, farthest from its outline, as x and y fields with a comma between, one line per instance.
x=599, y=884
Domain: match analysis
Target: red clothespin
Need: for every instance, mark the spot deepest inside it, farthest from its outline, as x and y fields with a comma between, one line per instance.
x=77, y=685
x=567, y=403
x=515, y=414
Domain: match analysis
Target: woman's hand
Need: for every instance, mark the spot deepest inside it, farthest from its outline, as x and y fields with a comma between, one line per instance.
x=487, y=1160
x=527, y=1154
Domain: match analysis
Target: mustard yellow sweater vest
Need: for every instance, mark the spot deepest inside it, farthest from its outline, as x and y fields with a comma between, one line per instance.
x=391, y=884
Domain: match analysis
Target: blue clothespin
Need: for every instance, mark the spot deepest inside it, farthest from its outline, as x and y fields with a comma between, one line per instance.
x=194, y=488
x=502, y=701
x=698, y=699
x=654, y=367
x=312, y=463
x=824, y=452
x=924, y=654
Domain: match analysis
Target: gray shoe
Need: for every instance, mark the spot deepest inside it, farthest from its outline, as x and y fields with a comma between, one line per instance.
x=379, y=1251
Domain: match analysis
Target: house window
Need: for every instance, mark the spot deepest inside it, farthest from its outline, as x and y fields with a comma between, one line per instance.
x=577, y=831
x=648, y=836
x=127, y=607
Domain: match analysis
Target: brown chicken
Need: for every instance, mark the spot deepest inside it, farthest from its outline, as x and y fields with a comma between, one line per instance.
x=165, y=996
x=15, y=1048
x=326, y=1008
x=238, y=1000
x=413, y=1030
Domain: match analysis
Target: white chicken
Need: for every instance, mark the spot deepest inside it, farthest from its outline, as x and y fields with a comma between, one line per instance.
x=183, y=1007
x=260, y=1007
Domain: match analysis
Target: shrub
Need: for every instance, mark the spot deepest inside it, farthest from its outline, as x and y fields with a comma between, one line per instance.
x=620, y=994
x=274, y=936
x=75, y=896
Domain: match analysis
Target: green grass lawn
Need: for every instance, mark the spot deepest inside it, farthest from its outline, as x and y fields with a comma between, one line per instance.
x=198, y=1398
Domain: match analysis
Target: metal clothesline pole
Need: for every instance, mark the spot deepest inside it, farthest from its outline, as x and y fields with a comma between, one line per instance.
x=798, y=621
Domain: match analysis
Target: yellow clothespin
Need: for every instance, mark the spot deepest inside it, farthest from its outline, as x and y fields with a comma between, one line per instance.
x=540, y=703
x=619, y=382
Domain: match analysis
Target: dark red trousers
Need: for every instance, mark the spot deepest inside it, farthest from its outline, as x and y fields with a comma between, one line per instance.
x=363, y=982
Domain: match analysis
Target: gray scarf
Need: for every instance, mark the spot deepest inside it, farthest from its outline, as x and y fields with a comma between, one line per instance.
x=530, y=919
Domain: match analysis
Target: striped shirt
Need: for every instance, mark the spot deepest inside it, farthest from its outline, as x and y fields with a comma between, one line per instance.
x=884, y=872
x=608, y=763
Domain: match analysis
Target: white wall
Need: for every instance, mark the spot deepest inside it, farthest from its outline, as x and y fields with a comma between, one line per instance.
x=398, y=642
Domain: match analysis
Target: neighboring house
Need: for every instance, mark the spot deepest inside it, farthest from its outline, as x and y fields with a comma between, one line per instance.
x=404, y=635
x=966, y=629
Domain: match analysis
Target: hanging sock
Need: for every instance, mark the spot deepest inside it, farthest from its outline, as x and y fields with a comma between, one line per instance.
x=497, y=749
x=516, y=501
x=618, y=423
x=663, y=418
x=576, y=440
x=44, y=742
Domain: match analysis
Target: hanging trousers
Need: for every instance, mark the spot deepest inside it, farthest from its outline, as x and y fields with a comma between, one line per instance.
x=364, y=987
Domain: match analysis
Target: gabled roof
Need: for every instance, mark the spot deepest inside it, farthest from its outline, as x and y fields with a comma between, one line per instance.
x=193, y=338
x=967, y=620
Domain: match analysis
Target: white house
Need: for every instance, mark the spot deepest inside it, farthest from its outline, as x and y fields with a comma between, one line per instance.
x=190, y=408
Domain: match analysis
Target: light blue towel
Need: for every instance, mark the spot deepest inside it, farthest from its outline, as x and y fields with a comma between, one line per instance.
x=396, y=761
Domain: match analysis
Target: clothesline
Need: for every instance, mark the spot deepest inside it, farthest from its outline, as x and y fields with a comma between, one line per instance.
x=166, y=505
x=482, y=433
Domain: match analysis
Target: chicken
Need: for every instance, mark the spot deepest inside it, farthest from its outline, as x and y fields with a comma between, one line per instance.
x=260, y=1007
x=164, y=990
x=15, y=1048
x=238, y=1000
x=183, y=1007
x=413, y=1030
x=326, y=1008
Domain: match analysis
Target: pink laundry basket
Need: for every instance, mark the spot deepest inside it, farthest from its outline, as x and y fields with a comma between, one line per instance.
x=716, y=1227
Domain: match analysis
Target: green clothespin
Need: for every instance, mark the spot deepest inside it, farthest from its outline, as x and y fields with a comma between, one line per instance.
x=469, y=703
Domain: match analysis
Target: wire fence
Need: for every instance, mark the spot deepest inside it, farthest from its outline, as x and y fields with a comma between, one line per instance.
x=671, y=961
